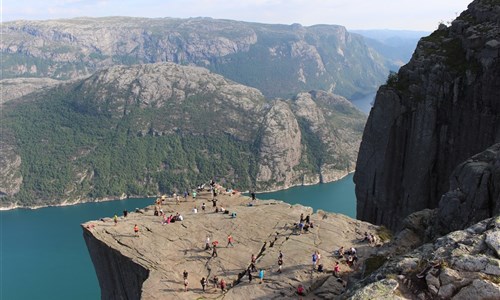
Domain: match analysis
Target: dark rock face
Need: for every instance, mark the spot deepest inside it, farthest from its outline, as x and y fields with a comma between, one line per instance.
x=119, y=277
x=474, y=192
x=440, y=109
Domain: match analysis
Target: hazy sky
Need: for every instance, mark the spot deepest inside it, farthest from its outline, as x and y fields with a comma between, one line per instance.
x=354, y=14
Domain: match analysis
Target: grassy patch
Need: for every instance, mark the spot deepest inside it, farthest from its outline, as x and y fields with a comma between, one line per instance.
x=384, y=234
x=373, y=263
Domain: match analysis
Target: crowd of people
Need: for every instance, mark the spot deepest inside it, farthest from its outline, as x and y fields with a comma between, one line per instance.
x=305, y=225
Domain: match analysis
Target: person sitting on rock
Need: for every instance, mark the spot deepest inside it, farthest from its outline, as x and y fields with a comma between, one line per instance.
x=341, y=252
x=350, y=260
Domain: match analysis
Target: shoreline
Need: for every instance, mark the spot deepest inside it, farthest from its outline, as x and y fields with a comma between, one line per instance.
x=66, y=203
x=305, y=184
x=83, y=201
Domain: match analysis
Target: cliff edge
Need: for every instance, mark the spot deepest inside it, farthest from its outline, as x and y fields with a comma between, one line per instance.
x=150, y=265
x=440, y=109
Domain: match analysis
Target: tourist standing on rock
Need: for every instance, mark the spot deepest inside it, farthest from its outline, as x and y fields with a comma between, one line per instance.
x=308, y=219
x=249, y=273
x=280, y=255
x=185, y=275
x=301, y=218
x=136, y=230
x=318, y=256
x=261, y=275
x=207, y=243
x=229, y=241
x=252, y=263
x=216, y=281
x=203, y=207
x=214, y=251
x=194, y=195
x=203, y=282
x=253, y=195
x=336, y=269
x=115, y=219
x=300, y=291
x=314, y=260
x=185, y=196
x=214, y=202
x=280, y=264
x=223, y=285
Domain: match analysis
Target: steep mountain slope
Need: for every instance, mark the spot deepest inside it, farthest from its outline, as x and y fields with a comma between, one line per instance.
x=279, y=60
x=440, y=109
x=163, y=127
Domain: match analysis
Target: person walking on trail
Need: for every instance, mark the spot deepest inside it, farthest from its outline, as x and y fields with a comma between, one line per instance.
x=252, y=263
x=249, y=272
x=261, y=275
x=203, y=282
x=229, y=241
x=136, y=230
x=314, y=260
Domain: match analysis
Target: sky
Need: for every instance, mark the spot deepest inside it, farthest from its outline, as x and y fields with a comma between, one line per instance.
x=423, y=15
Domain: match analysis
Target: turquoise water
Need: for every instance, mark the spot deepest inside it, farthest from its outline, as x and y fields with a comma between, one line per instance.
x=336, y=196
x=43, y=254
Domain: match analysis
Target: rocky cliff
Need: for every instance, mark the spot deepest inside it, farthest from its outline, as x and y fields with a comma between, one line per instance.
x=279, y=60
x=440, y=109
x=158, y=128
x=464, y=265
x=150, y=265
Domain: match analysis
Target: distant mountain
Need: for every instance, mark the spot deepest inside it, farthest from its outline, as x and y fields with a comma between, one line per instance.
x=157, y=128
x=396, y=46
x=279, y=60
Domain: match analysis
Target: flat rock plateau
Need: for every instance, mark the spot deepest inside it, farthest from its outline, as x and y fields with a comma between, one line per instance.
x=150, y=265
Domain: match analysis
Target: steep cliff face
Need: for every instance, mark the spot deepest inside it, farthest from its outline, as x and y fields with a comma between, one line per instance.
x=474, y=192
x=159, y=128
x=120, y=277
x=440, y=109
x=279, y=60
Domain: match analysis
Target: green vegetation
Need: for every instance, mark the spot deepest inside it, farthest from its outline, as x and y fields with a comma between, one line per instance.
x=373, y=263
x=384, y=234
x=108, y=157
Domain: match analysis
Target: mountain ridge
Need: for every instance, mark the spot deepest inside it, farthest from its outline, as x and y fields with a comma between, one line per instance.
x=156, y=128
x=295, y=58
